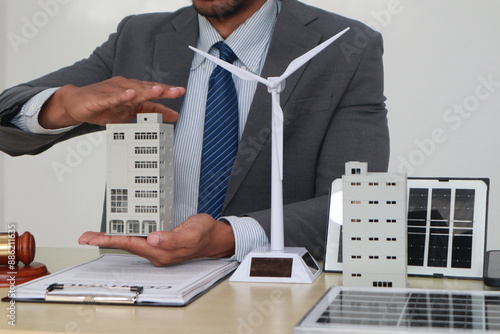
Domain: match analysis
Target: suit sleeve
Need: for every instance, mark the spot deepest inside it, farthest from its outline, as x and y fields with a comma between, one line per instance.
x=98, y=67
x=357, y=131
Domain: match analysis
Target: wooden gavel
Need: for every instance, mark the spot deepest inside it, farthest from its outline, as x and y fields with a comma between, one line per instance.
x=15, y=248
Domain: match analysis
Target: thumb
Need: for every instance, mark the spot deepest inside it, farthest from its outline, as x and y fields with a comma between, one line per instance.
x=155, y=239
x=186, y=235
x=168, y=240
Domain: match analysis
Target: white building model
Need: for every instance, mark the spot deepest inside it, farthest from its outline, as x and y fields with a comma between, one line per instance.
x=374, y=228
x=139, y=175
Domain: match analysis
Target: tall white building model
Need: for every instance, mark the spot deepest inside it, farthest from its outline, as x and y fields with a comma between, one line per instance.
x=374, y=228
x=139, y=182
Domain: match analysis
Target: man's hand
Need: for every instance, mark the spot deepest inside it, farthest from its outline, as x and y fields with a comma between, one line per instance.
x=117, y=100
x=199, y=236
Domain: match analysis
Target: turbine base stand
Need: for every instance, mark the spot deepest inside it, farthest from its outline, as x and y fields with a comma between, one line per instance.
x=292, y=265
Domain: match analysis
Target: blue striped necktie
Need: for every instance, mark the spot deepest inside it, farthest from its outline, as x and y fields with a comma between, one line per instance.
x=220, y=137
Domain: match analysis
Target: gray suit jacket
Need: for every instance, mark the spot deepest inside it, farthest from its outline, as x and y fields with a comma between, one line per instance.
x=334, y=107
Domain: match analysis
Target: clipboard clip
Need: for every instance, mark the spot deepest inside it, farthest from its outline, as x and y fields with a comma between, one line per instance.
x=92, y=293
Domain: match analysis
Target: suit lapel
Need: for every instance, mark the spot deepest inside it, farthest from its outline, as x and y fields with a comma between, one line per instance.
x=291, y=38
x=172, y=56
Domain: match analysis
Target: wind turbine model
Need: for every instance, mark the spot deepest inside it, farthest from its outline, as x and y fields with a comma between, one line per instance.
x=279, y=263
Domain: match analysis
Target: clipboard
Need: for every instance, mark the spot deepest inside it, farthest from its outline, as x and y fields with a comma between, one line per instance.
x=118, y=279
x=92, y=293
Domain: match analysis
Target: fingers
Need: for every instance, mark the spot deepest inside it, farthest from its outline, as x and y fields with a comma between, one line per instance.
x=136, y=245
x=155, y=92
x=87, y=236
x=199, y=236
x=141, y=91
x=122, y=106
x=116, y=100
x=133, y=97
x=101, y=240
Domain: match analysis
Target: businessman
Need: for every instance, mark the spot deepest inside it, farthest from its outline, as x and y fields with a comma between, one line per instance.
x=333, y=107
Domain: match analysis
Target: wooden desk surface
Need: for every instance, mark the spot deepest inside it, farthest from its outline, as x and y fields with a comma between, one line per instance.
x=246, y=308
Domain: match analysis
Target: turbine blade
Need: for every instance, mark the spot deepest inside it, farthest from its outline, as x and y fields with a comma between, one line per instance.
x=298, y=62
x=245, y=75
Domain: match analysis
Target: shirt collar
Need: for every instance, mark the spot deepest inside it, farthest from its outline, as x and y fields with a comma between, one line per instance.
x=244, y=38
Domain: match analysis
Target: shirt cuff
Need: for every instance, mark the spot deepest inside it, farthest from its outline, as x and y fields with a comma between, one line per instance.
x=27, y=119
x=248, y=234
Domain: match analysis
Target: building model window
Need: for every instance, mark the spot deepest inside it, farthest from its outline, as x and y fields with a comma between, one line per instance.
x=146, y=209
x=382, y=284
x=146, y=150
x=119, y=200
x=146, y=179
x=146, y=194
x=146, y=164
x=119, y=136
x=149, y=226
x=146, y=135
x=133, y=226
x=117, y=226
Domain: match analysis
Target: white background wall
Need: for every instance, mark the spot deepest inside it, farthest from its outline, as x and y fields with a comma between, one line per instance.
x=438, y=56
x=2, y=76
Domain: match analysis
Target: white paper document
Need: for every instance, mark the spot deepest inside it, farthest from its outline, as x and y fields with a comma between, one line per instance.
x=112, y=274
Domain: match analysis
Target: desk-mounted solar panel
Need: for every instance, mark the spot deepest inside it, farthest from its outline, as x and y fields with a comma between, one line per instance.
x=382, y=310
x=446, y=227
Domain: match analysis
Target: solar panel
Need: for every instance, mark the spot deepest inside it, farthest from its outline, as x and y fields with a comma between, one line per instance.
x=349, y=310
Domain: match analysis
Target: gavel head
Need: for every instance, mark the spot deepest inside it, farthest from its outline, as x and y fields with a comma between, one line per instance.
x=15, y=248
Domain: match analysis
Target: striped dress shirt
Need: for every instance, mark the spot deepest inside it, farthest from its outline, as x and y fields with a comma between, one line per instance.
x=250, y=43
